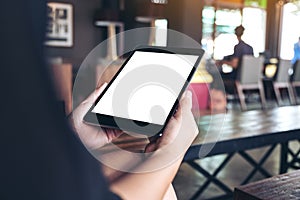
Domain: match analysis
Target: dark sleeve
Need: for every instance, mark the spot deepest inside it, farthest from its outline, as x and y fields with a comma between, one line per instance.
x=49, y=165
x=116, y=197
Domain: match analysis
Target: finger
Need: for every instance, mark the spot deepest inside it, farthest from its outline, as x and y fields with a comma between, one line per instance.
x=154, y=137
x=83, y=108
x=183, y=95
x=179, y=111
x=88, y=102
x=186, y=102
x=112, y=133
x=150, y=147
x=96, y=93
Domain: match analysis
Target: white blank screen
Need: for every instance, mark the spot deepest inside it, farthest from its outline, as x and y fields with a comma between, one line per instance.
x=147, y=101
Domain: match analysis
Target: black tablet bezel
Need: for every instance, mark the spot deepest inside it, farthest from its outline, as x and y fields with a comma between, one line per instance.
x=141, y=127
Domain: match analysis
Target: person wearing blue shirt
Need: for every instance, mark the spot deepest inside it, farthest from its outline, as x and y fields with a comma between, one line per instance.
x=296, y=52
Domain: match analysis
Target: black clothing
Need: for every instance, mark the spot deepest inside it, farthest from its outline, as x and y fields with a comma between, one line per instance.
x=240, y=50
x=40, y=157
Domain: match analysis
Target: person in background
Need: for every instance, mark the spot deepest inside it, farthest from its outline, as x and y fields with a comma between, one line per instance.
x=218, y=101
x=296, y=52
x=234, y=60
x=42, y=157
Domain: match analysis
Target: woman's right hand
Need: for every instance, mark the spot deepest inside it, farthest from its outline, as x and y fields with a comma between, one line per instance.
x=164, y=158
x=174, y=125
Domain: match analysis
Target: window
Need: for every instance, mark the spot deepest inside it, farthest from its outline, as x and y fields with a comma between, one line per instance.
x=290, y=31
x=161, y=26
x=218, y=38
x=254, y=21
x=225, y=39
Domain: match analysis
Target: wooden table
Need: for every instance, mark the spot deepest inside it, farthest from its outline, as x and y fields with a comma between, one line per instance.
x=237, y=132
x=285, y=186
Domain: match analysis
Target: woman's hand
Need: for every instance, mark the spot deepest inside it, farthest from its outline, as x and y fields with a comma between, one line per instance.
x=92, y=137
x=173, y=127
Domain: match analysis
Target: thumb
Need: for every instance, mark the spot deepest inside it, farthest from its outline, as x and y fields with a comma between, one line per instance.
x=186, y=101
x=88, y=102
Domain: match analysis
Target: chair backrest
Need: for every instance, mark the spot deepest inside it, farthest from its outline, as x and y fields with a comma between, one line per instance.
x=296, y=75
x=61, y=74
x=251, y=69
x=283, y=75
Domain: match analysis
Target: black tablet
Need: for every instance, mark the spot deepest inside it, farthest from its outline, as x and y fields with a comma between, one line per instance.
x=144, y=93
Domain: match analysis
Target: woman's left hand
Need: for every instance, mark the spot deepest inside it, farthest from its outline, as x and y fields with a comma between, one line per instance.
x=93, y=137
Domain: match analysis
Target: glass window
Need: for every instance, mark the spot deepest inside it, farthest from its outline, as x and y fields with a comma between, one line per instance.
x=290, y=30
x=208, y=20
x=161, y=26
x=225, y=39
x=218, y=38
x=254, y=21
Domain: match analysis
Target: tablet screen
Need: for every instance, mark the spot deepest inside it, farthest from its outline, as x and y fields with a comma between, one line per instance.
x=147, y=87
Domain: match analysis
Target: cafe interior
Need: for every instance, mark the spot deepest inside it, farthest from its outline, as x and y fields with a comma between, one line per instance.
x=248, y=145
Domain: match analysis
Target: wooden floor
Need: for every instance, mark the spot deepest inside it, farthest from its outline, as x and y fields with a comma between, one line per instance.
x=187, y=180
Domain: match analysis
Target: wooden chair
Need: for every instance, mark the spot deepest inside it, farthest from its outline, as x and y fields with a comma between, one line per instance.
x=250, y=79
x=283, y=81
x=295, y=82
x=61, y=74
